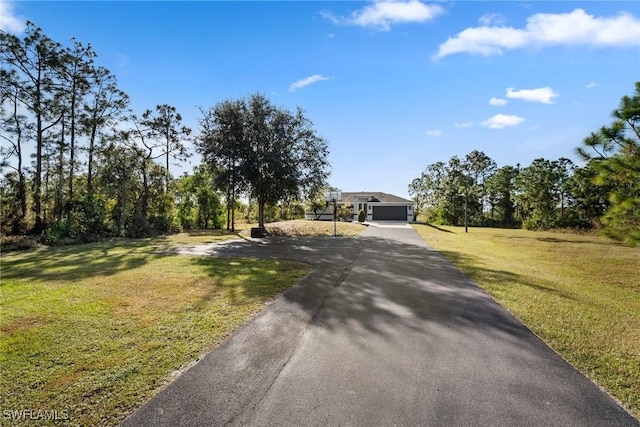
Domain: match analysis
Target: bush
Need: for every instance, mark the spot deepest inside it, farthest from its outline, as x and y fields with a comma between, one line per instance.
x=361, y=216
x=17, y=243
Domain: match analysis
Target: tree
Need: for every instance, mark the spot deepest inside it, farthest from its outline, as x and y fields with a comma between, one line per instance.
x=284, y=157
x=34, y=63
x=587, y=202
x=457, y=193
x=138, y=138
x=428, y=190
x=479, y=167
x=15, y=129
x=75, y=67
x=280, y=156
x=221, y=141
x=119, y=182
x=199, y=203
x=539, y=192
x=614, y=151
x=500, y=187
x=164, y=125
x=102, y=107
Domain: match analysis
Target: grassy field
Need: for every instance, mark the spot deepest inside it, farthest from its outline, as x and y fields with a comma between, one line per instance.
x=580, y=293
x=94, y=330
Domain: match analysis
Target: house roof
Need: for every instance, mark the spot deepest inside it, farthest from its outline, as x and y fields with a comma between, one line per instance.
x=374, y=196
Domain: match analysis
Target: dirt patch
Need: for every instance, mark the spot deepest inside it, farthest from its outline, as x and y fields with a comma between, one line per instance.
x=22, y=323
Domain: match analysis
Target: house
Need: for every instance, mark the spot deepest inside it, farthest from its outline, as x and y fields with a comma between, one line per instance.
x=378, y=206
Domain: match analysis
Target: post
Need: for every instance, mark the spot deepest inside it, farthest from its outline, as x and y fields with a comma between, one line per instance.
x=335, y=214
x=466, y=229
x=335, y=197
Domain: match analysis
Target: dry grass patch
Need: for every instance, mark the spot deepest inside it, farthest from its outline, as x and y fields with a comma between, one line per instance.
x=308, y=228
x=580, y=293
x=194, y=237
x=95, y=330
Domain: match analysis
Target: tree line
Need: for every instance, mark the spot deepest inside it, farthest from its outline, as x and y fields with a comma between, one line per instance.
x=77, y=164
x=604, y=193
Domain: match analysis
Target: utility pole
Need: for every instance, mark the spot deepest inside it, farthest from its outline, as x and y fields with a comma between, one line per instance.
x=466, y=228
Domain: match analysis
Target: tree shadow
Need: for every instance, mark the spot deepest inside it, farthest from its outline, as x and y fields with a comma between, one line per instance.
x=499, y=277
x=436, y=227
x=70, y=263
x=575, y=241
x=372, y=283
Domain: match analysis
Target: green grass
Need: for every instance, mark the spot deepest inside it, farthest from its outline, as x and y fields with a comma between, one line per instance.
x=580, y=293
x=97, y=329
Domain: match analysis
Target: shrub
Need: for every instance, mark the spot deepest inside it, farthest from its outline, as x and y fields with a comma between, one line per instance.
x=17, y=243
x=361, y=216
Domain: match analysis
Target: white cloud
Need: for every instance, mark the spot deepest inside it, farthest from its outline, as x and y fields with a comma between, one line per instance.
x=463, y=124
x=434, y=133
x=331, y=17
x=8, y=21
x=591, y=85
x=383, y=14
x=492, y=19
x=544, y=95
x=306, y=82
x=498, y=102
x=546, y=29
x=501, y=121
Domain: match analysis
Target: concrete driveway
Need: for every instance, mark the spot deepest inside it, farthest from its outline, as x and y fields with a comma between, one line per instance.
x=384, y=331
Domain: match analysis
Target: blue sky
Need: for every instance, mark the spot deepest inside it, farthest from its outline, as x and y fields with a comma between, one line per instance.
x=392, y=85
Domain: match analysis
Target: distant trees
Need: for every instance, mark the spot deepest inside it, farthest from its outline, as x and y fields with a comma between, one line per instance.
x=443, y=189
x=271, y=153
x=543, y=195
x=500, y=188
x=540, y=194
x=198, y=203
x=76, y=164
x=604, y=193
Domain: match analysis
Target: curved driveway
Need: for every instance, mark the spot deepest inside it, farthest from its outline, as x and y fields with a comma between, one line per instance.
x=384, y=331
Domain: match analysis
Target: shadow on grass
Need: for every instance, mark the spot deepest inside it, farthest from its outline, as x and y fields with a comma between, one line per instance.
x=579, y=239
x=496, y=277
x=435, y=227
x=254, y=277
x=79, y=261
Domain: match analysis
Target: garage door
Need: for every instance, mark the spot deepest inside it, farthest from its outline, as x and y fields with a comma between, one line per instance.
x=390, y=213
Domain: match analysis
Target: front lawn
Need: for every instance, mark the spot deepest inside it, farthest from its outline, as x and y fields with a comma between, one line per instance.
x=580, y=293
x=95, y=330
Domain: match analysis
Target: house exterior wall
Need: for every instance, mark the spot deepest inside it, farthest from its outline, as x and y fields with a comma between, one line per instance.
x=359, y=203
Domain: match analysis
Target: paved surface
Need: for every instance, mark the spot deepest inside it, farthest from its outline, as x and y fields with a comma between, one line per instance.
x=384, y=331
